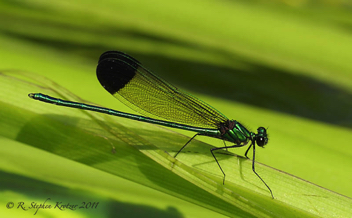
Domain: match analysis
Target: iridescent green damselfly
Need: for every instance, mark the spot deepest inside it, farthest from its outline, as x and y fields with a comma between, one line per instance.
x=163, y=104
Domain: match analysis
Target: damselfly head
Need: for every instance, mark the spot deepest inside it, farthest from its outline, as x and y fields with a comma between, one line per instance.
x=261, y=137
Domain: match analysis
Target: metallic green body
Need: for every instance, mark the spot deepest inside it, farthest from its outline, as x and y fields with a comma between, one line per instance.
x=163, y=104
x=239, y=134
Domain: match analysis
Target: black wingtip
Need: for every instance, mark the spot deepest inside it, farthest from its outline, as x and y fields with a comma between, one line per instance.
x=116, y=69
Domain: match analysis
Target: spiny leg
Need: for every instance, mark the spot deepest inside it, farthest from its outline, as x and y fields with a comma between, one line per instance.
x=248, y=150
x=214, y=149
x=186, y=144
x=253, y=168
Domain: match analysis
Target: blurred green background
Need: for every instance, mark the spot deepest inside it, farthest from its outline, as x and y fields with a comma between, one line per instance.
x=285, y=65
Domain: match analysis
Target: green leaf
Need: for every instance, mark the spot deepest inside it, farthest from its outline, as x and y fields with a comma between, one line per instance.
x=286, y=68
x=143, y=153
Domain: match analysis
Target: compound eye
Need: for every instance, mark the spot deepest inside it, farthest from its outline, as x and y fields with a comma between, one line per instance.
x=261, y=141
